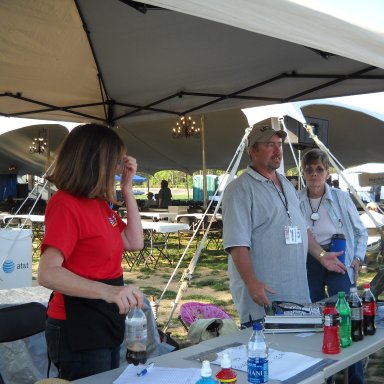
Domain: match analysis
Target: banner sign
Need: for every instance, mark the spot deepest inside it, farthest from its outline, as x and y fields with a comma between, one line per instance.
x=15, y=258
x=368, y=179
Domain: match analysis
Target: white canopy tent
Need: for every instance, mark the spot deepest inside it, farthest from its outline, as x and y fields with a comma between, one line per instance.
x=97, y=60
x=106, y=61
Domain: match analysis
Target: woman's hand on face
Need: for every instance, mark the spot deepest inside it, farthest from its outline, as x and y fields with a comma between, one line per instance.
x=129, y=169
x=125, y=297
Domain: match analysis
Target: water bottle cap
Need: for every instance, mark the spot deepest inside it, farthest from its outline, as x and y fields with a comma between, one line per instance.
x=341, y=294
x=257, y=326
x=353, y=290
x=206, y=370
x=226, y=361
x=366, y=285
x=338, y=236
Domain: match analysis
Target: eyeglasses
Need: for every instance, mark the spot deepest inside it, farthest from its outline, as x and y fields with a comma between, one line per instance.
x=311, y=170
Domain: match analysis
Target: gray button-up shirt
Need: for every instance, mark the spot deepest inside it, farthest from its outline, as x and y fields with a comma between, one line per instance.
x=255, y=216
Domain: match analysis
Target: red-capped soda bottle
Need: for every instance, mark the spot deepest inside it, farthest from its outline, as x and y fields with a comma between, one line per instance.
x=356, y=315
x=331, y=339
x=369, y=310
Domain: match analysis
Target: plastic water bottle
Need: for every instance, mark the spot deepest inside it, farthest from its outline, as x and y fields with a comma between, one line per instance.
x=136, y=328
x=345, y=320
x=206, y=374
x=257, y=364
x=331, y=339
x=226, y=374
x=356, y=315
x=369, y=310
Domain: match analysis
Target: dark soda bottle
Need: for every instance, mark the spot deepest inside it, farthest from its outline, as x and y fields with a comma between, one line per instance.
x=356, y=306
x=136, y=330
x=369, y=310
x=331, y=339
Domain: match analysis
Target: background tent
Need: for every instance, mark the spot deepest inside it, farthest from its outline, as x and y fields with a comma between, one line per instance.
x=354, y=137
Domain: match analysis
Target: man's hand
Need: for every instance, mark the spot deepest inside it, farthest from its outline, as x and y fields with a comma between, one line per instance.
x=257, y=292
x=331, y=262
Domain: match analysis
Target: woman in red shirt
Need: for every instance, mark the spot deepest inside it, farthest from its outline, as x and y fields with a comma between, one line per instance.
x=82, y=250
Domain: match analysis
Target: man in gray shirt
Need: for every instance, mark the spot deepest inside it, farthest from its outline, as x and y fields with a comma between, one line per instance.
x=265, y=233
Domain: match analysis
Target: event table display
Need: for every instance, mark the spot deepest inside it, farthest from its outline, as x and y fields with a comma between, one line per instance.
x=307, y=344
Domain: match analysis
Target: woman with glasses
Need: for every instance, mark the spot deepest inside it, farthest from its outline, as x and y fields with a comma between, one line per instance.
x=330, y=211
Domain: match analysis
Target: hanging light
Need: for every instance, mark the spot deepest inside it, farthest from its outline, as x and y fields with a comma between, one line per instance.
x=39, y=143
x=185, y=127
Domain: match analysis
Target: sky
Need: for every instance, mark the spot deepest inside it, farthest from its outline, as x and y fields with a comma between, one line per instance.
x=358, y=12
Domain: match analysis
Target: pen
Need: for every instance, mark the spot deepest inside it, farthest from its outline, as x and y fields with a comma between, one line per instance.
x=146, y=369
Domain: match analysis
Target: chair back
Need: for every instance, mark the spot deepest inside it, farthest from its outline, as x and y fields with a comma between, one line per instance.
x=20, y=321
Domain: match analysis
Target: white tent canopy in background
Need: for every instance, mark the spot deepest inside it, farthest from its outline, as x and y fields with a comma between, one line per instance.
x=355, y=137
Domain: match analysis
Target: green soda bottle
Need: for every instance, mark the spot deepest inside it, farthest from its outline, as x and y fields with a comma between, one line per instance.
x=345, y=320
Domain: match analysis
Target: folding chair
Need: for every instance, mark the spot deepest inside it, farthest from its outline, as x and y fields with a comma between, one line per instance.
x=215, y=233
x=20, y=321
x=187, y=233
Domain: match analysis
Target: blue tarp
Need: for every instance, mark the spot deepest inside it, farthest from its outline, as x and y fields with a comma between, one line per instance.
x=136, y=179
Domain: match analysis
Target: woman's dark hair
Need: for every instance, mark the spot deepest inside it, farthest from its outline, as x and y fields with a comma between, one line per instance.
x=164, y=184
x=314, y=156
x=86, y=162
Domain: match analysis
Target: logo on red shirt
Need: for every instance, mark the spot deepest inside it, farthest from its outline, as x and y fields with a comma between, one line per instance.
x=112, y=219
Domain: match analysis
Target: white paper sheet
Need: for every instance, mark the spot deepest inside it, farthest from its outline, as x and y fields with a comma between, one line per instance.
x=160, y=375
x=282, y=365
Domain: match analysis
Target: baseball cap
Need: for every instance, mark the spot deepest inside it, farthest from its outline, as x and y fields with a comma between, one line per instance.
x=262, y=133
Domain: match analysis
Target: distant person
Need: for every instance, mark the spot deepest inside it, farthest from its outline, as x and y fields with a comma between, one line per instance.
x=82, y=250
x=375, y=193
x=336, y=184
x=165, y=195
x=151, y=202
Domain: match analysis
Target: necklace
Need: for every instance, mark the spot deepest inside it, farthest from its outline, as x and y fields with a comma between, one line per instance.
x=315, y=212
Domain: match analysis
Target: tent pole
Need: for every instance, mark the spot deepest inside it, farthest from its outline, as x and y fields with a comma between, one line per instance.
x=188, y=273
x=186, y=182
x=202, y=121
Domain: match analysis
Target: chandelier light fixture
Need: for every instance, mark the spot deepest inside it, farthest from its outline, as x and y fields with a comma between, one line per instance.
x=39, y=143
x=185, y=127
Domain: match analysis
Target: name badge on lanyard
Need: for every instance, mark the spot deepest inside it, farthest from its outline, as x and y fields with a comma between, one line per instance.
x=292, y=235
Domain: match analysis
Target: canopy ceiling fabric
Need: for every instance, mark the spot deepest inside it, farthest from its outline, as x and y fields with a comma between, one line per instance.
x=132, y=66
x=139, y=71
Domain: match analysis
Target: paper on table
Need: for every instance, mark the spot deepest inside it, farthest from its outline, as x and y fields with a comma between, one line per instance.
x=282, y=365
x=162, y=375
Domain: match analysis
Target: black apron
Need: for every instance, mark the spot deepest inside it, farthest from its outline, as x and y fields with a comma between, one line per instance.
x=94, y=323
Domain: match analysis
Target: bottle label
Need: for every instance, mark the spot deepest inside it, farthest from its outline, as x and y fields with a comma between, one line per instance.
x=257, y=368
x=331, y=320
x=369, y=309
x=357, y=313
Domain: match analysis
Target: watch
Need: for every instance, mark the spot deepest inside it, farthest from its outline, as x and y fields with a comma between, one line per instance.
x=322, y=253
